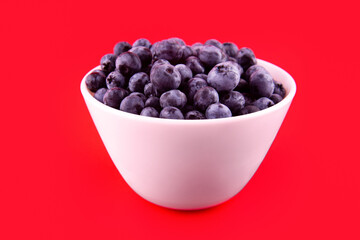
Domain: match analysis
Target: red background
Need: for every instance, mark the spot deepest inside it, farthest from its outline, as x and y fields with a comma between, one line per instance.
x=57, y=180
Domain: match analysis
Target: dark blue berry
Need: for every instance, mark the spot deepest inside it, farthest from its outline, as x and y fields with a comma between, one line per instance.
x=149, y=90
x=99, y=95
x=194, y=64
x=204, y=97
x=196, y=48
x=174, y=98
x=153, y=102
x=201, y=75
x=149, y=112
x=193, y=86
x=171, y=113
x=95, y=80
x=160, y=62
x=234, y=100
x=246, y=58
x=114, y=96
x=224, y=76
x=276, y=98
x=185, y=73
x=279, y=89
x=115, y=79
x=178, y=40
x=121, y=47
x=132, y=104
x=165, y=77
x=167, y=49
x=183, y=53
x=128, y=63
x=214, y=42
x=252, y=69
x=193, y=115
x=217, y=110
x=210, y=55
x=138, y=81
x=142, y=96
x=142, y=42
x=144, y=54
x=263, y=103
x=230, y=49
x=261, y=84
x=249, y=109
x=107, y=62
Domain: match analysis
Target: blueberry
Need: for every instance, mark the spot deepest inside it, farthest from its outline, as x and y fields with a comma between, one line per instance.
x=142, y=42
x=243, y=86
x=178, y=40
x=196, y=48
x=160, y=62
x=99, y=95
x=185, y=73
x=153, y=48
x=193, y=86
x=210, y=55
x=138, y=81
x=194, y=64
x=174, y=98
x=128, y=63
x=171, y=113
x=230, y=49
x=204, y=97
x=201, y=75
x=165, y=77
x=224, y=76
x=263, y=103
x=95, y=80
x=214, y=42
x=115, y=79
x=249, y=109
x=153, y=102
x=246, y=58
x=149, y=112
x=107, y=62
x=231, y=59
x=114, y=96
x=142, y=96
x=167, y=49
x=194, y=115
x=144, y=54
x=183, y=53
x=261, y=84
x=132, y=104
x=217, y=110
x=149, y=90
x=279, y=89
x=276, y=98
x=234, y=100
x=252, y=69
x=121, y=47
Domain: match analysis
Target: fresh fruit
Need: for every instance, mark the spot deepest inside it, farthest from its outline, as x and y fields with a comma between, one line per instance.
x=217, y=110
x=171, y=113
x=224, y=76
x=173, y=80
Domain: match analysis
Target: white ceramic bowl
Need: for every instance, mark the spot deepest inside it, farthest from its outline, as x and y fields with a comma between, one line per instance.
x=189, y=164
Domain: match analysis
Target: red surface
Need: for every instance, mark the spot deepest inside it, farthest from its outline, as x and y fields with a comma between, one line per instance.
x=57, y=180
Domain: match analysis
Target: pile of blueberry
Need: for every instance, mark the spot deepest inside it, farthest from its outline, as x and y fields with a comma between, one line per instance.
x=169, y=79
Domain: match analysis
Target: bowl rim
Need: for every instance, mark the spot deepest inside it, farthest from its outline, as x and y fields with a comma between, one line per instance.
x=286, y=101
